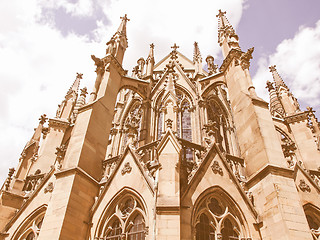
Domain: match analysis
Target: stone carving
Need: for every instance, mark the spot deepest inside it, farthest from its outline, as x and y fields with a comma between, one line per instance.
x=169, y=123
x=60, y=152
x=304, y=186
x=216, y=168
x=245, y=59
x=111, y=47
x=126, y=168
x=212, y=68
x=43, y=118
x=9, y=179
x=49, y=187
x=173, y=54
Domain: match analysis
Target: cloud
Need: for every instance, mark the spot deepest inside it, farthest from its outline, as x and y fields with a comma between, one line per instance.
x=297, y=61
x=40, y=53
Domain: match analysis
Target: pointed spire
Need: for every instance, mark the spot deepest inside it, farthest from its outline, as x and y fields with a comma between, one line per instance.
x=196, y=53
x=227, y=37
x=276, y=107
x=222, y=20
x=80, y=103
x=123, y=25
x=150, y=61
x=75, y=86
x=65, y=108
x=276, y=77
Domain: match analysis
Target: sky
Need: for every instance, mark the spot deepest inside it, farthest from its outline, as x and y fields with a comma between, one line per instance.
x=44, y=43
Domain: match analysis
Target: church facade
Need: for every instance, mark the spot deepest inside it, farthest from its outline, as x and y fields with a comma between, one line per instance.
x=172, y=151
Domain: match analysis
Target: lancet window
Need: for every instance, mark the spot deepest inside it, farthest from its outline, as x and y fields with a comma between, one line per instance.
x=126, y=221
x=217, y=125
x=216, y=218
x=313, y=218
x=31, y=228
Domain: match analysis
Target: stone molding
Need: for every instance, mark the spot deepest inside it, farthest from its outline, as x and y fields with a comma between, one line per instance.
x=58, y=123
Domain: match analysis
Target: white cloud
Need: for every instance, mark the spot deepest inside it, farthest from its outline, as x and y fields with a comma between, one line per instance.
x=38, y=63
x=297, y=61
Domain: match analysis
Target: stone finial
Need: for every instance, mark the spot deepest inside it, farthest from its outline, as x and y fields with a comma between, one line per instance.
x=43, y=118
x=221, y=14
x=196, y=53
x=174, y=52
x=83, y=92
x=79, y=75
x=270, y=86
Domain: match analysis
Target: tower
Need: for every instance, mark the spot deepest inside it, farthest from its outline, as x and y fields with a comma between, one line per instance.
x=171, y=151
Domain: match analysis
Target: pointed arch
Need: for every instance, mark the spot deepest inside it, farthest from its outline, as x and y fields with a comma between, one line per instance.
x=125, y=206
x=31, y=225
x=221, y=207
x=312, y=213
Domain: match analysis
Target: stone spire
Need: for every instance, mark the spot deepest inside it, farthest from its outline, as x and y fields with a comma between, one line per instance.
x=197, y=59
x=80, y=103
x=196, y=53
x=150, y=61
x=276, y=107
x=276, y=77
x=119, y=42
x=227, y=37
x=65, y=109
x=289, y=102
x=75, y=86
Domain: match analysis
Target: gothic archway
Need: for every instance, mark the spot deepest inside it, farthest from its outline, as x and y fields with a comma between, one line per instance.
x=217, y=216
x=313, y=219
x=125, y=218
x=29, y=229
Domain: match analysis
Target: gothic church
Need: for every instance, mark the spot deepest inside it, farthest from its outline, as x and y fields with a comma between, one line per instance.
x=171, y=151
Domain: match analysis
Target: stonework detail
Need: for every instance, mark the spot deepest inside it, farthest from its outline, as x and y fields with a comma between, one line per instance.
x=216, y=168
x=304, y=187
x=180, y=149
x=126, y=168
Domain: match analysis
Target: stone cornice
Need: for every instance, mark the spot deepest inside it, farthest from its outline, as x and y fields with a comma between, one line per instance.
x=262, y=173
x=76, y=170
x=260, y=102
x=58, y=123
x=296, y=117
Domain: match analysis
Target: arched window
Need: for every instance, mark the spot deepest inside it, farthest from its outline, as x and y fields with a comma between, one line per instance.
x=203, y=229
x=30, y=229
x=126, y=221
x=313, y=218
x=115, y=231
x=217, y=217
x=160, y=123
x=137, y=230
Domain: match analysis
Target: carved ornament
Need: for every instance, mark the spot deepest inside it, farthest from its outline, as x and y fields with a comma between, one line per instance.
x=304, y=186
x=126, y=168
x=216, y=168
x=49, y=187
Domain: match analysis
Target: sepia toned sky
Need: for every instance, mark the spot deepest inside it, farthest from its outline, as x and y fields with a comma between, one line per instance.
x=43, y=43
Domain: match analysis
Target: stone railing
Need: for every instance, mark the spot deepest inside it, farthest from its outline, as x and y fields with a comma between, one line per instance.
x=32, y=182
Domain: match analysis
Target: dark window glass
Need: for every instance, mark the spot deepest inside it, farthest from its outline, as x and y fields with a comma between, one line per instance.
x=137, y=231
x=203, y=230
x=115, y=233
x=228, y=232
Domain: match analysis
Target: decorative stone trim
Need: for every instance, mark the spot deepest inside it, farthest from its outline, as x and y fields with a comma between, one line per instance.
x=304, y=186
x=297, y=117
x=49, y=187
x=126, y=169
x=216, y=168
x=58, y=123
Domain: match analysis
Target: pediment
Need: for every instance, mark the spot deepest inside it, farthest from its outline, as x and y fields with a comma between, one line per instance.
x=214, y=171
x=186, y=62
x=128, y=173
